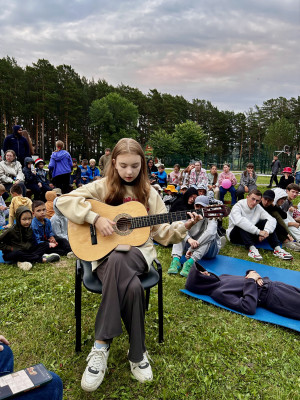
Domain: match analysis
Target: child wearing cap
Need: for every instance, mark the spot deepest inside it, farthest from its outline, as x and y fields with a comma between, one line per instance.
x=286, y=178
x=170, y=196
x=41, y=174
x=31, y=180
x=95, y=173
x=183, y=189
x=202, y=240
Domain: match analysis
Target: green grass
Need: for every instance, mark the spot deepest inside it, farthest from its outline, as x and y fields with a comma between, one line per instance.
x=208, y=352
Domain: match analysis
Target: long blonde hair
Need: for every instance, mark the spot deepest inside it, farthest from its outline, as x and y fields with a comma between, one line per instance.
x=28, y=138
x=115, y=188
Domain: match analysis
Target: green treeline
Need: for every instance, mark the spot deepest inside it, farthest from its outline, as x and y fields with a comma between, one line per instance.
x=56, y=103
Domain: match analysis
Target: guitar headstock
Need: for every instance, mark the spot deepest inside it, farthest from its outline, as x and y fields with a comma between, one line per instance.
x=216, y=211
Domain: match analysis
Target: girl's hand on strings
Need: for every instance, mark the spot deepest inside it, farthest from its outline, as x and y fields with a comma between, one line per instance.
x=105, y=226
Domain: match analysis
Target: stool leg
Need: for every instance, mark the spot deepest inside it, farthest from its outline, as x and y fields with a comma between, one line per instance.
x=147, y=299
x=78, y=305
x=160, y=303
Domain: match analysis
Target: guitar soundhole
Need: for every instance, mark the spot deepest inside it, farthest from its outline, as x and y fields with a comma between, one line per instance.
x=123, y=224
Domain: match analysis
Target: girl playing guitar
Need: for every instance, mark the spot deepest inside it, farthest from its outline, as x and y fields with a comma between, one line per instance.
x=122, y=293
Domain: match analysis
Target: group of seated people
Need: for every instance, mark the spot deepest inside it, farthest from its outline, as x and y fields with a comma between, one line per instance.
x=217, y=185
x=34, y=177
x=271, y=216
x=33, y=238
x=37, y=231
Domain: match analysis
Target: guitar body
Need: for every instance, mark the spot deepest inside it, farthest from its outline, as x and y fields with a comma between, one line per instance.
x=89, y=248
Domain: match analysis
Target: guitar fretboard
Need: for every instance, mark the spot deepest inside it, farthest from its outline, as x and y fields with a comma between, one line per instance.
x=149, y=220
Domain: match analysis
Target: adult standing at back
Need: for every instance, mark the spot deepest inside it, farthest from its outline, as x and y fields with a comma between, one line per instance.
x=61, y=166
x=18, y=144
x=103, y=161
x=275, y=167
x=297, y=169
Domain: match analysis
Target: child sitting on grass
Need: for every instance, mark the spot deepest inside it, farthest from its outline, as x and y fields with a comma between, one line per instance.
x=170, y=196
x=161, y=176
x=201, y=241
x=42, y=231
x=86, y=174
x=75, y=177
x=17, y=201
x=41, y=175
x=3, y=208
x=59, y=223
x=95, y=173
x=50, y=196
x=18, y=243
x=31, y=180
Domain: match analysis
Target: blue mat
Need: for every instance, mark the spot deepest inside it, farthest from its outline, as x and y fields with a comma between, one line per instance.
x=1, y=259
x=228, y=265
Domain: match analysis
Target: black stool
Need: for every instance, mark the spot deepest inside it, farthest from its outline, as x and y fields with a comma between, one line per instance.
x=92, y=283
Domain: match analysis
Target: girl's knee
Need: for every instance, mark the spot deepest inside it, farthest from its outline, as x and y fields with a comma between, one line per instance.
x=135, y=288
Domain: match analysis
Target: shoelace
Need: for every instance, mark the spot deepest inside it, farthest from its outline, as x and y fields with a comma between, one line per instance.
x=98, y=359
x=144, y=361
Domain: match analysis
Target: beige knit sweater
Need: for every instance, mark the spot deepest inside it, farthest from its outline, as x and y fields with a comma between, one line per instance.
x=77, y=210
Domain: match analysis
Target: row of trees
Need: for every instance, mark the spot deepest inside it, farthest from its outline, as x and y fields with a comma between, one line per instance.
x=56, y=103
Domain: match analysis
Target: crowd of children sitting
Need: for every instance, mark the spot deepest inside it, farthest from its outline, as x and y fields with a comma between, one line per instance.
x=179, y=189
x=36, y=231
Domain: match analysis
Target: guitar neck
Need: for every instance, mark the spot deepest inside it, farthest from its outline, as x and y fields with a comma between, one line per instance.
x=157, y=219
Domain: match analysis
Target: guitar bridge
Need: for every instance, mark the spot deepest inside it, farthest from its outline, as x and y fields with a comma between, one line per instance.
x=93, y=234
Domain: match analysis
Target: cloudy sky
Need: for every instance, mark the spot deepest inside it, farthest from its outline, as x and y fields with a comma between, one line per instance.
x=234, y=53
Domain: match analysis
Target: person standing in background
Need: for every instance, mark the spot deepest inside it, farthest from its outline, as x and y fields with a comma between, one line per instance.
x=18, y=144
x=297, y=169
x=275, y=167
x=61, y=166
x=104, y=160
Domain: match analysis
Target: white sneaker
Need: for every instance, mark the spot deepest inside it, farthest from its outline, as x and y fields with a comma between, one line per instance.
x=24, y=266
x=282, y=254
x=51, y=257
x=254, y=253
x=95, y=370
x=142, y=371
x=291, y=246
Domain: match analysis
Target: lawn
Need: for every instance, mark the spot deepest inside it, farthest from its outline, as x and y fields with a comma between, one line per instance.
x=208, y=353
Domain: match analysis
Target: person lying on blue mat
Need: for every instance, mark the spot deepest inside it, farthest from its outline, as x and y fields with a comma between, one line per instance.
x=246, y=293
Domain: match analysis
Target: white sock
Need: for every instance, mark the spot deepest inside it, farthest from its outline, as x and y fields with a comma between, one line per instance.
x=252, y=248
x=277, y=248
x=100, y=345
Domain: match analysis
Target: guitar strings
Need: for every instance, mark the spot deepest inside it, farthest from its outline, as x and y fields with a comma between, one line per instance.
x=128, y=222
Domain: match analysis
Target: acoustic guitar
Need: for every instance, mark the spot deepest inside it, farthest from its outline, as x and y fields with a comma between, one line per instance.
x=132, y=227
